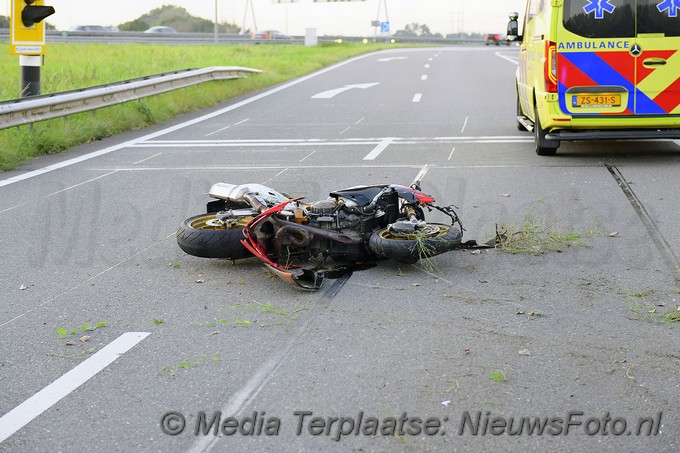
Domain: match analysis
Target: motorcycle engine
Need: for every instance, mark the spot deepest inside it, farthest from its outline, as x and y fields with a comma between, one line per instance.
x=331, y=215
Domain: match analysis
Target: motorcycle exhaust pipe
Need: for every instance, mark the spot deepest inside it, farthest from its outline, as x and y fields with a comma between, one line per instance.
x=298, y=237
x=306, y=230
x=254, y=201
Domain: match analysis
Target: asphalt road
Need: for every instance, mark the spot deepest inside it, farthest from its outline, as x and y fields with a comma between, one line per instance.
x=572, y=339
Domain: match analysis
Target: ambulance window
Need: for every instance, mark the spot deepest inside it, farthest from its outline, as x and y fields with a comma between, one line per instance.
x=600, y=19
x=535, y=23
x=535, y=7
x=656, y=16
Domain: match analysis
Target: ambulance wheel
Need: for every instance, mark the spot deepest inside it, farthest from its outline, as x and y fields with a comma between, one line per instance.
x=544, y=147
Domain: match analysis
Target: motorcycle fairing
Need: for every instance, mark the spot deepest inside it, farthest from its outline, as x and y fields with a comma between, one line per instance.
x=363, y=195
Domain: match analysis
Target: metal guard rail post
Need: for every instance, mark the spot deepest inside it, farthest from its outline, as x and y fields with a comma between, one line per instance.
x=45, y=107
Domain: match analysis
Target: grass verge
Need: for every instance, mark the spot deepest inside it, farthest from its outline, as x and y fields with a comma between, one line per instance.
x=72, y=66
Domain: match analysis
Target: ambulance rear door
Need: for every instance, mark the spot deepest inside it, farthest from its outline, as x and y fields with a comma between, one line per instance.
x=656, y=50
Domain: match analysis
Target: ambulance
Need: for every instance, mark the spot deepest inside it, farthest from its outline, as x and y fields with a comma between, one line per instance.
x=598, y=70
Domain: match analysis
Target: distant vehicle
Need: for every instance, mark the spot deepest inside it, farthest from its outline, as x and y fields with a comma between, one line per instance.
x=269, y=34
x=94, y=28
x=160, y=29
x=496, y=39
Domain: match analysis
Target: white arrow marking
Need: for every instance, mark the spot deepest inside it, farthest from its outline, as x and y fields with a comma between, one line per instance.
x=382, y=146
x=332, y=93
x=382, y=60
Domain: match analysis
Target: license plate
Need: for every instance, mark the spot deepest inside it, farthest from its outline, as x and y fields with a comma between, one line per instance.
x=597, y=100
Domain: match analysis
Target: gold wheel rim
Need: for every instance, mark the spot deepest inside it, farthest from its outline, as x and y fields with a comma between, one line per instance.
x=210, y=222
x=442, y=230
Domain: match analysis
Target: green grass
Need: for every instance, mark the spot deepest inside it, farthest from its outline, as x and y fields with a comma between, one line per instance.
x=262, y=314
x=82, y=329
x=72, y=66
x=498, y=375
x=651, y=311
x=536, y=237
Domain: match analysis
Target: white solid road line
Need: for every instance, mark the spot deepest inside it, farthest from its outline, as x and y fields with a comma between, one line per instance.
x=327, y=142
x=504, y=57
x=379, y=149
x=21, y=415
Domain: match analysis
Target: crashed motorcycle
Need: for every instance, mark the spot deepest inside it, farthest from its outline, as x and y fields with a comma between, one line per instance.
x=300, y=241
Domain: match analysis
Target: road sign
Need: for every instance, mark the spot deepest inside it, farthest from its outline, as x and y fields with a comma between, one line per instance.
x=28, y=39
x=384, y=27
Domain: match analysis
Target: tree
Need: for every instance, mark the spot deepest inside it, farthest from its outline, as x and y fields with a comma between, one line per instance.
x=415, y=29
x=177, y=18
x=134, y=25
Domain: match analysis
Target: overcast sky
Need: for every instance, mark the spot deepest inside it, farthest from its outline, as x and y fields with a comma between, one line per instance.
x=340, y=18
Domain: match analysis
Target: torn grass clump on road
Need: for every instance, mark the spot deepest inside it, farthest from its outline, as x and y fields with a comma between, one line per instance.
x=654, y=312
x=535, y=238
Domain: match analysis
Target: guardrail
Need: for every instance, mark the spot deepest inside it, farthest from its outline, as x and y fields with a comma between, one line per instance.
x=39, y=108
x=127, y=37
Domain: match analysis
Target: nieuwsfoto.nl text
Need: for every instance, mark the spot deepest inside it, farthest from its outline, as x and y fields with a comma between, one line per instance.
x=477, y=423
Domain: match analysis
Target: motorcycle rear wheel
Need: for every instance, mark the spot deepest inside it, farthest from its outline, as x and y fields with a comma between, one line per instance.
x=410, y=249
x=203, y=236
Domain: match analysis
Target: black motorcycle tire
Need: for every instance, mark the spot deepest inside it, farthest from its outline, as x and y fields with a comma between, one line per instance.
x=409, y=251
x=198, y=238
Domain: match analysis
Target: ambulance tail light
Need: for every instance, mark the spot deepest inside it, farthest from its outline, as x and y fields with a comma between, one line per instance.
x=550, y=67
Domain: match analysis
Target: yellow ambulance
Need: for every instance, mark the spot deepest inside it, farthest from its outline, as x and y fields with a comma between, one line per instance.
x=598, y=70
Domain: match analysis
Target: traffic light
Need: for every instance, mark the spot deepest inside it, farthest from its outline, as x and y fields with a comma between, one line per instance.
x=31, y=14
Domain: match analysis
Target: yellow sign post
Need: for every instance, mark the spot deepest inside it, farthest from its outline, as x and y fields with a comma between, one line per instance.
x=27, y=31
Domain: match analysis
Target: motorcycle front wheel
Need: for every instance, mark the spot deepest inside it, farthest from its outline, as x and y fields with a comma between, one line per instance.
x=204, y=236
x=434, y=240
